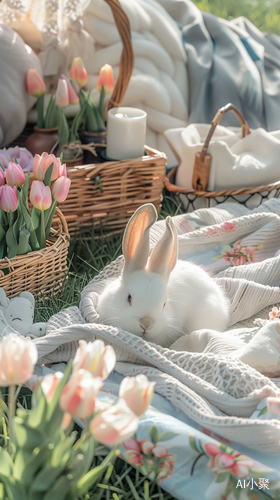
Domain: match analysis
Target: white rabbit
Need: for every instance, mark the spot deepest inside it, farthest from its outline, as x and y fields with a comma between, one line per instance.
x=160, y=298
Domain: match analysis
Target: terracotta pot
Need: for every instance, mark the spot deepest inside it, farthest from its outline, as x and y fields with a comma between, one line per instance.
x=97, y=138
x=42, y=140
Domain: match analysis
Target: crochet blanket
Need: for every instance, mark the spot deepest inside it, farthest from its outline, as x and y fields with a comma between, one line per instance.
x=216, y=390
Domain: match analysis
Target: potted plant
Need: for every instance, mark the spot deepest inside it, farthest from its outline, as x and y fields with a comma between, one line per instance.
x=45, y=133
x=94, y=123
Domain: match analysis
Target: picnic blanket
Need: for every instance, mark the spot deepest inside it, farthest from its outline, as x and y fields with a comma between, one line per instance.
x=218, y=391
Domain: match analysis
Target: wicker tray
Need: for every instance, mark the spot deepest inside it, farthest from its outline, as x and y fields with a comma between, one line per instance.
x=41, y=272
x=103, y=196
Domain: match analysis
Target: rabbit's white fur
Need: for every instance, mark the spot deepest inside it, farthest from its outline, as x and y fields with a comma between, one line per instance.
x=147, y=302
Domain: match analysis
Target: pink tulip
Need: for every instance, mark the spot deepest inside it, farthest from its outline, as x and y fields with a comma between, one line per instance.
x=40, y=195
x=106, y=78
x=18, y=357
x=8, y=198
x=2, y=177
x=34, y=83
x=114, y=425
x=42, y=163
x=132, y=444
x=95, y=357
x=50, y=383
x=79, y=394
x=73, y=97
x=15, y=175
x=78, y=72
x=60, y=189
x=137, y=392
x=62, y=95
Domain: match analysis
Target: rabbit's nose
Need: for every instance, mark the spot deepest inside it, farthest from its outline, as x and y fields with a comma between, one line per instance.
x=146, y=322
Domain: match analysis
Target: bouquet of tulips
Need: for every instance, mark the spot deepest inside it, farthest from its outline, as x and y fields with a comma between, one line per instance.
x=22, y=230
x=40, y=458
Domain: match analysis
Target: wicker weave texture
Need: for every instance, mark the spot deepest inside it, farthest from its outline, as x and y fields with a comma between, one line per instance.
x=41, y=272
x=103, y=196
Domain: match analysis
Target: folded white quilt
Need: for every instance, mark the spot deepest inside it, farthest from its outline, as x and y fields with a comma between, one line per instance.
x=236, y=162
x=216, y=390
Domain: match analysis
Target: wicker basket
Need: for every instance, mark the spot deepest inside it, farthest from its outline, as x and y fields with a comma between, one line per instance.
x=198, y=197
x=41, y=272
x=103, y=196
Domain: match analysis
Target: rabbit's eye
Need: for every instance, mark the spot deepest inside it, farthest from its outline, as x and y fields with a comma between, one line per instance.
x=129, y=298
x=164, y=304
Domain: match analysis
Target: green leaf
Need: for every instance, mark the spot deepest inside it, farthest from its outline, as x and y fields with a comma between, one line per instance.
x=25, y=436
x=167, y=435
x=154, y=434
x=2, y=241
x=49, y=112
x=63, y=127
x=11, y=243
x=193, y=443
x=23, y=244
x=30, y=227
x=101, y=106
x=50, y=219
x=6, y=464
x=48, y=175
x=35, y=462
x=45, y=479
x=222, y=477
x=59, y=490
x=54, y=401
x=37, y=416
x=24, y=193
x=35, y=218
x=14, y=488
x=92, y=477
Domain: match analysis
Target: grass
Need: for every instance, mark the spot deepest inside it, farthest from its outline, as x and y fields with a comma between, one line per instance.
x=265, y=14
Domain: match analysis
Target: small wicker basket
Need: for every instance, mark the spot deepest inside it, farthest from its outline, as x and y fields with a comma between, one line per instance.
x=40, y=272
x=103, y=196
x=198, y=197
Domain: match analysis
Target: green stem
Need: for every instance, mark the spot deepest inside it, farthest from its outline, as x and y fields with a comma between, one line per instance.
x=10, y=218
x=11, y=405
x=43, y=234
x=40, y=118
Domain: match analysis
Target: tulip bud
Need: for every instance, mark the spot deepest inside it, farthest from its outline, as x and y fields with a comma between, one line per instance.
x=73, y=97
x=42, y=163
x=15, y=175
x=34, y=83
x=8, y=198
x=2, y=177
x=62, y=95
x=114, y=425
x=79, y=394
x=95, y=357
x=106, y=79
x=50, y=383
x=60, y=189
x=137, y=392
x=78, y=72
x=18, y=357
x=40, y=195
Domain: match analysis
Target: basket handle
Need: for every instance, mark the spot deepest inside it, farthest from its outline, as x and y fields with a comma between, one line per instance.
x=203, y=159
x=127, y=57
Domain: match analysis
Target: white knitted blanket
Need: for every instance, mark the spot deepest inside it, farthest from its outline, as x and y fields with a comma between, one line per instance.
x=219, y=392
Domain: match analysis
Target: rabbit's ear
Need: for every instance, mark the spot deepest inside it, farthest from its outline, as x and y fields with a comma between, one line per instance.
x=4, y=301
x=136, y=244
x=164, y=256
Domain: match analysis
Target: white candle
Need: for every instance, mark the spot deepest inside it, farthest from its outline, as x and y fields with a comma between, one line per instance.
x=126, y=132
